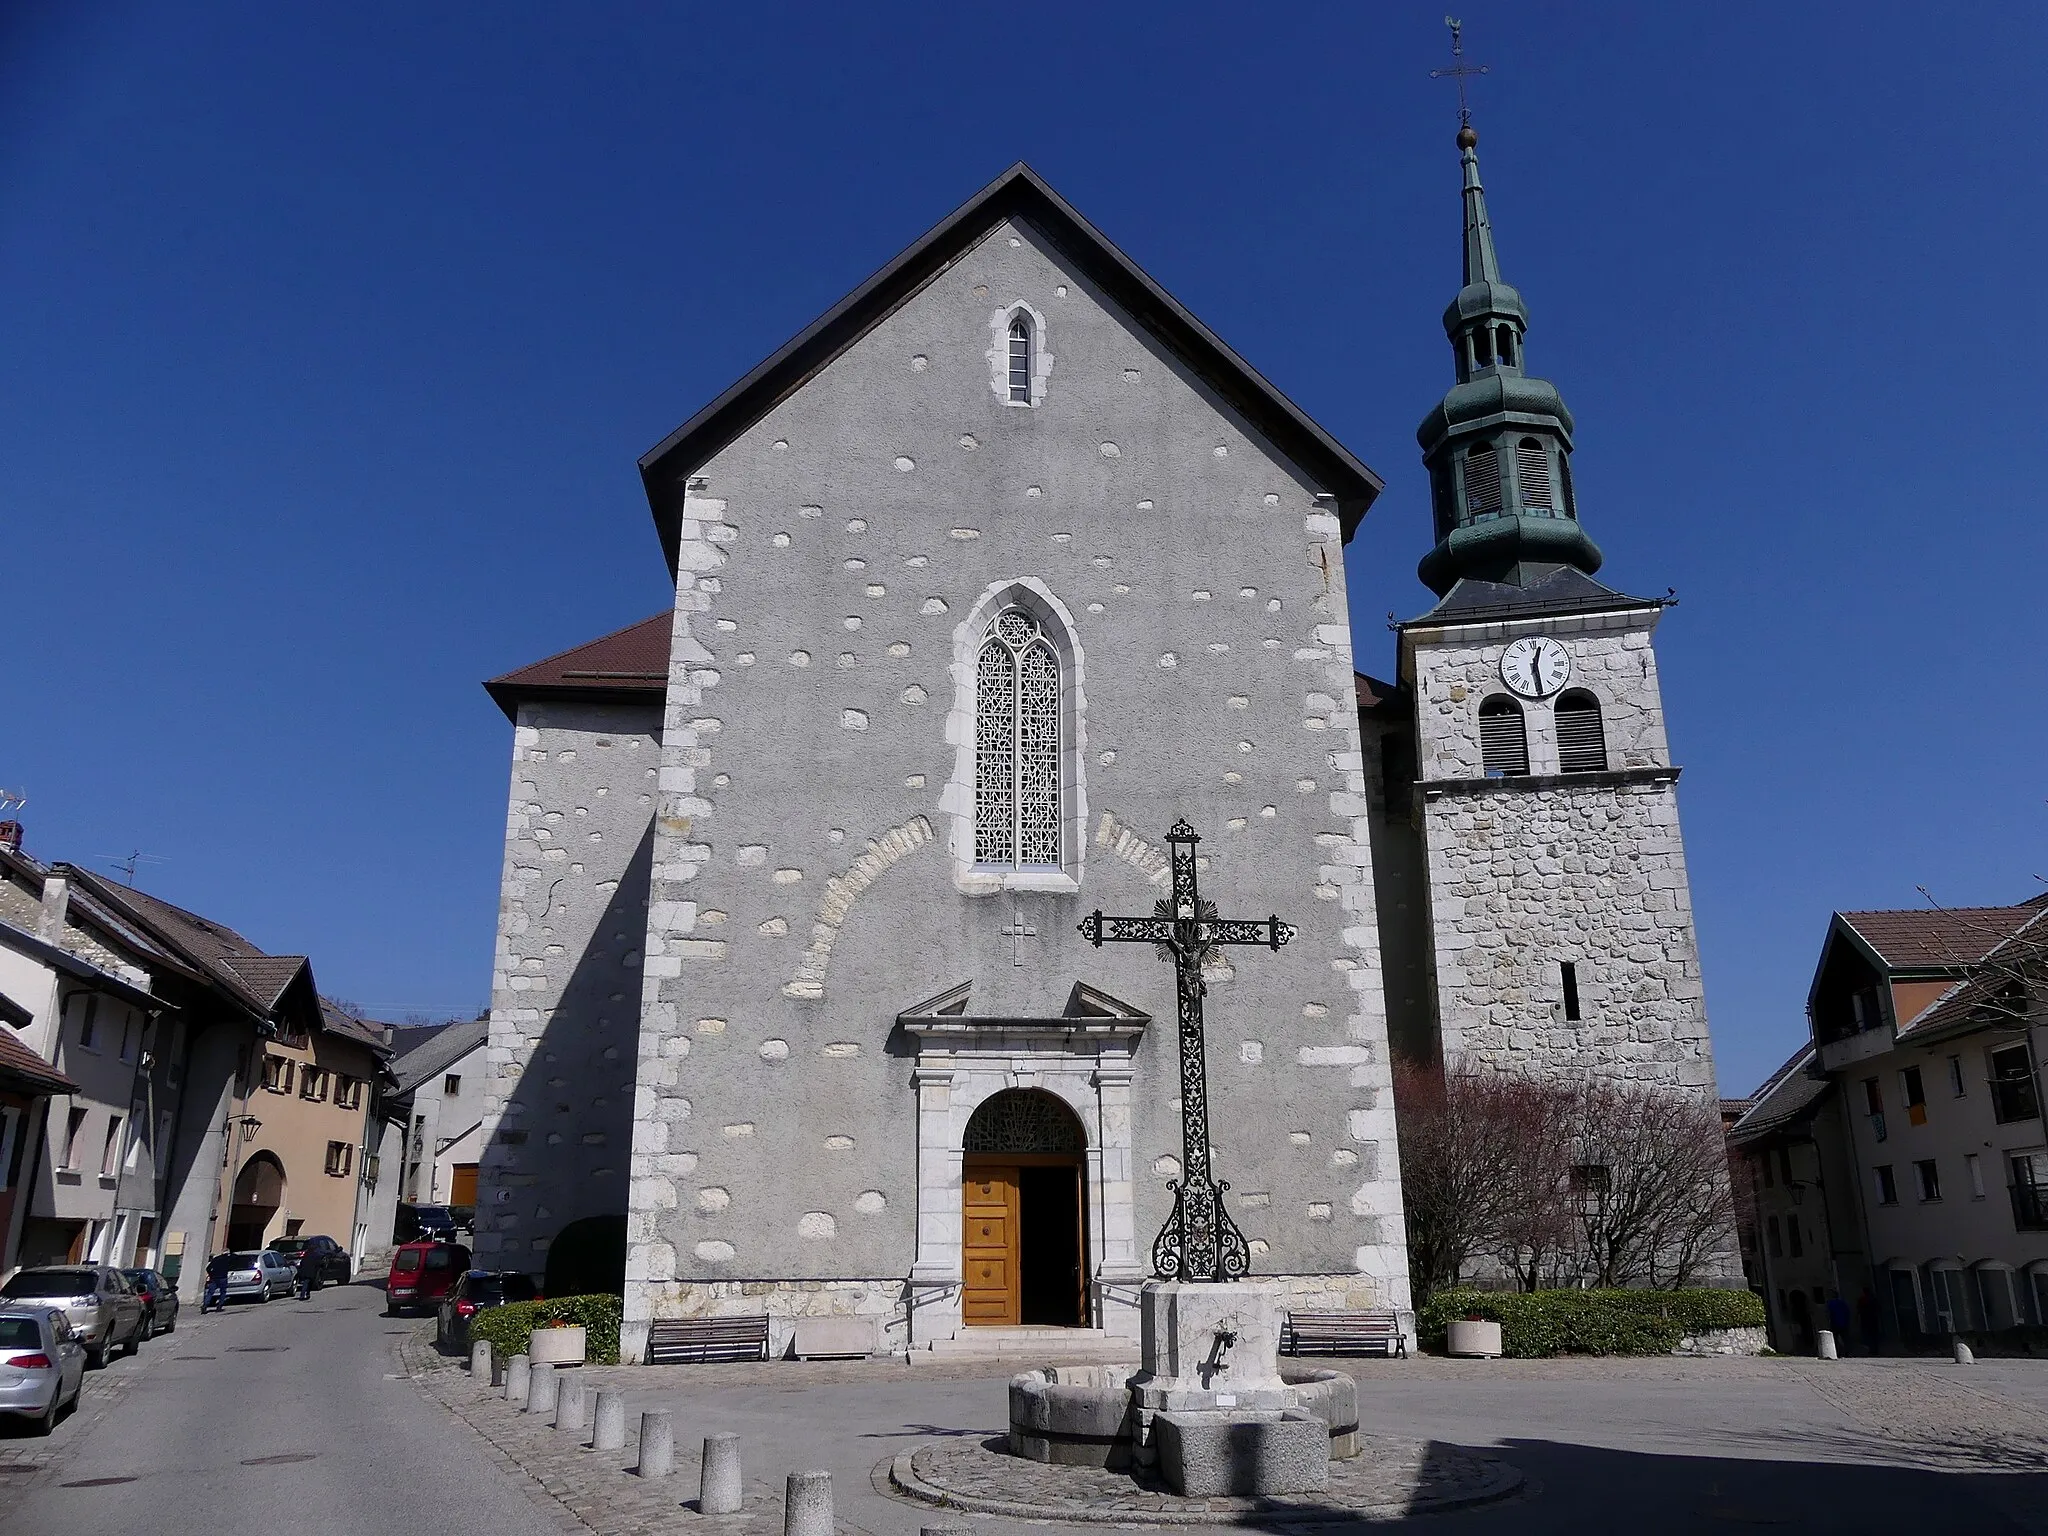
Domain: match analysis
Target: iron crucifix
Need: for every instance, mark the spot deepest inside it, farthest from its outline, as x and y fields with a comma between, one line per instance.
x=1199, y=1240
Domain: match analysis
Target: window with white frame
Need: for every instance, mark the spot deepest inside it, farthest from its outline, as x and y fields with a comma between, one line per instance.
x=1020, y=359
x=1017, y=745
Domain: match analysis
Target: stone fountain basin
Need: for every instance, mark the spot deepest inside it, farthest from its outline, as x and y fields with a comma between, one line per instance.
x=1081, y=1415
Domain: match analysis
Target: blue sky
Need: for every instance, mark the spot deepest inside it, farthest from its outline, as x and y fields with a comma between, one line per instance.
x=329, y=337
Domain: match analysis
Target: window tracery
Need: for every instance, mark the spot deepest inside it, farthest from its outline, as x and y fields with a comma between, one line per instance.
x=1017, y=745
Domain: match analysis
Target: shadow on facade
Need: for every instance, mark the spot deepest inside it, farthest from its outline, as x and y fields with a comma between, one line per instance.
x=563, y=1147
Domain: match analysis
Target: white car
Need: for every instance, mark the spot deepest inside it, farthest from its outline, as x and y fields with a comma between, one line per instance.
x=42, y=1364
x=260, y=1276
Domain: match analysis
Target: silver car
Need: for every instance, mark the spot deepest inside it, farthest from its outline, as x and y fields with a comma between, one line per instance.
x=42, y=1364
x=101, y=1306
x=260, y=1276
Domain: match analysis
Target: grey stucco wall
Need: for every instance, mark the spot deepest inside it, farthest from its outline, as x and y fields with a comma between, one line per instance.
x=810, y=880
x=565, y=984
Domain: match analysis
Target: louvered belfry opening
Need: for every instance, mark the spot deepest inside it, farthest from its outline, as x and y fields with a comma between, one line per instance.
x=1532, y=475
x=1503, y=737
x=1482, y=480
x=1581, y=739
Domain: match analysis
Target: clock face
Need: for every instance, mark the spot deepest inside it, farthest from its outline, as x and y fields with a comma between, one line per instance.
x=1534, y=666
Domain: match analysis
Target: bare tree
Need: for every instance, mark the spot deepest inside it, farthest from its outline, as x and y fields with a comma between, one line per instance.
x=1650, y=1177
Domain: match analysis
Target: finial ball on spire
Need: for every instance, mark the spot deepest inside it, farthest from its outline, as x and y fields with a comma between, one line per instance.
x=1468, y=137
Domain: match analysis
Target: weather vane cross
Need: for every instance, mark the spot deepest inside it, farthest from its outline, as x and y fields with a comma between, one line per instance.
x=1199, y=1240
x=1459, y=70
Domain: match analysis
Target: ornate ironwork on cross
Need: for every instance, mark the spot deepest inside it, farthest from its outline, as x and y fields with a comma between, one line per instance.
x=1199, y=1240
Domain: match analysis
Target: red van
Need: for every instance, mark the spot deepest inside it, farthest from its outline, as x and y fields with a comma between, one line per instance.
x=421, y=1274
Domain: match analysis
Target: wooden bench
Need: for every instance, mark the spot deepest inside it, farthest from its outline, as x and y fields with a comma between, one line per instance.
x=1344, y=1333
x=697, y=1340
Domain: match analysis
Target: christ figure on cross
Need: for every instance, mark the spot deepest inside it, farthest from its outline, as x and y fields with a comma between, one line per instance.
x=1199, y=1240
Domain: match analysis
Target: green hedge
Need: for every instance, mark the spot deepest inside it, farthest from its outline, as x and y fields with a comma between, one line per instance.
x=508, y=1327
x=1538, y=1323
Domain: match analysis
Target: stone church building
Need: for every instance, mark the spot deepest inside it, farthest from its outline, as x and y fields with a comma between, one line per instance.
x=989, y=576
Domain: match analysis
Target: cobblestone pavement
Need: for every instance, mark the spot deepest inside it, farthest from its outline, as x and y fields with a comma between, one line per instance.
x=1387, y=1480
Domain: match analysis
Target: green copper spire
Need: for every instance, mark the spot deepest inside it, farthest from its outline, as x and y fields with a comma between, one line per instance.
x=1499, y=444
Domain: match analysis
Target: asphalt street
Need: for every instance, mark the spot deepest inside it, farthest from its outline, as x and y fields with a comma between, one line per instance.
x=283, y=1415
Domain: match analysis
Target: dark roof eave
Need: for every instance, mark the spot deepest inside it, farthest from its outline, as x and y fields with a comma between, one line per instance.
x=508, y=696
x=1018, y=191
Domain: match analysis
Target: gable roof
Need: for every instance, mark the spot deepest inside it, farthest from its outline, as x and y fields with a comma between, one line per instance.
x=1789, y=1095
x=1019, y=193
x=1937, y=938
x=19, y=1064
x=627, y=666
x=435, y=1056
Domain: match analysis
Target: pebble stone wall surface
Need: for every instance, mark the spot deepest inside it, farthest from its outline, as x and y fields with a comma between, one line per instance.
x=1527, y=874
x=565, y=984
x=812, y=875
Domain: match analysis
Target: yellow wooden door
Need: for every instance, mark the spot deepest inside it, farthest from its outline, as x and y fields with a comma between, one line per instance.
x=462, y=1186
x=992, y=1294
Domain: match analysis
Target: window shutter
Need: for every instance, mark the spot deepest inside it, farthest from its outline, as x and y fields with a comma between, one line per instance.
x=1503, y=737
x=1532, y=474
x=1482, y=481
x=1581, y=740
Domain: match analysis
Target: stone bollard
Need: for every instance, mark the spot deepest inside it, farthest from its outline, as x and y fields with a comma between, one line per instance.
x=657, y=1443
x=719, y=1491
x=480, y=1361
x=1824, y=1344
x=807, y=1504
x=569, y=1402
x=1962, y=1352
x=542, y=1387
x=518, y=1378
x=608, y=1423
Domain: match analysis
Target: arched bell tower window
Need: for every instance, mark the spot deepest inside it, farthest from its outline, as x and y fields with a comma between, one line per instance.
x=1017, y=745
x=1503, y=738
x=1482, y=480
x=1581, y=739
x=1506, y=346
x=1532, y=475
x=1020, y=359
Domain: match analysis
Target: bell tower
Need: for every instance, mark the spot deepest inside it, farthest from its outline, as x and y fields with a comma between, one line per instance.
x=1560, y=924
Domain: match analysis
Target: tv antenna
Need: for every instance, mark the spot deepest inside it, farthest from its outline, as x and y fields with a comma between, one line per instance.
x=12, y=800
x=126, y=862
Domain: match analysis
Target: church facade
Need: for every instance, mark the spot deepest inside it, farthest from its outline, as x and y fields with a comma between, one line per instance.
x=989, y=577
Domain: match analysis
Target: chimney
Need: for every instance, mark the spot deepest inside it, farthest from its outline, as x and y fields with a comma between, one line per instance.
x=56, y=905
x=10, y=836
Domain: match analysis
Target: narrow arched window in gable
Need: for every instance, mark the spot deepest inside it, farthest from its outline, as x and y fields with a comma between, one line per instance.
x=1532, y=475
x=1017, y=745
x=1020, y=359
x=1503, y=738
x=1482, y=480
x=1581, y=737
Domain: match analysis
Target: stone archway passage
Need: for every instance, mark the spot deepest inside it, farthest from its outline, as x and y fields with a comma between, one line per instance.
x=1025, y=1241
x=259, y=1193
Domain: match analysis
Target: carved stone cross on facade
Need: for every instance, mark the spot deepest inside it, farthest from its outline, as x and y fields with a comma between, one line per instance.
x=1199, y=1240
x=1017, y=933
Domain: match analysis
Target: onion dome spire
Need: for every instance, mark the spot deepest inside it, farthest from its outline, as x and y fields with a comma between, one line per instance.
x=1498, y=446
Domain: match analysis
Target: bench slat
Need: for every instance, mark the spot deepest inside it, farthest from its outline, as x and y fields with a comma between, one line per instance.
x=705, y=1340
x=1344, y=1332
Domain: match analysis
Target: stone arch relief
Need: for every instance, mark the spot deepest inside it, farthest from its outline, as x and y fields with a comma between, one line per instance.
x=841, y=892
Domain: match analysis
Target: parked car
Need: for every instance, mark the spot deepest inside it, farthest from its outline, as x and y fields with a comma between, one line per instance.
x=427, y=1223
x=259, y=1276
x=159, y=1301
x=100, y=1305
x=330, y=1261
x=42, y=1364
x=421, y=1274
x=474, y=1292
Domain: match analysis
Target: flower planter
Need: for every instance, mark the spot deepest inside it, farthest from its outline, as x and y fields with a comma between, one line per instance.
x=557, y=1346
x=1471, y=1339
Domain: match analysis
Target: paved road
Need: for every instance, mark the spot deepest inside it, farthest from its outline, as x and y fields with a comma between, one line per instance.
x=197, y=1418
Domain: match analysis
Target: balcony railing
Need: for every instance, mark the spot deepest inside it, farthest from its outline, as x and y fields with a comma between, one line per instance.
x=2013, y=1098
x=2030, y=1207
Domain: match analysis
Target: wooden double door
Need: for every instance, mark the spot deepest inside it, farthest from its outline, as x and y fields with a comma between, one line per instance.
x=1026, y=1241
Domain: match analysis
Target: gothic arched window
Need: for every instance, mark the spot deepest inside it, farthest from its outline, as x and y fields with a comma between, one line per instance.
x=1581, y=740
x=1532, y=475
x=1017, y=745
x=1020, y=359
x=1482, y=480
x=1503, y=738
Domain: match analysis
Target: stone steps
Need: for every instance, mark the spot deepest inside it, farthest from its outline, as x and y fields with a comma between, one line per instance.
x=1031, y=1346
